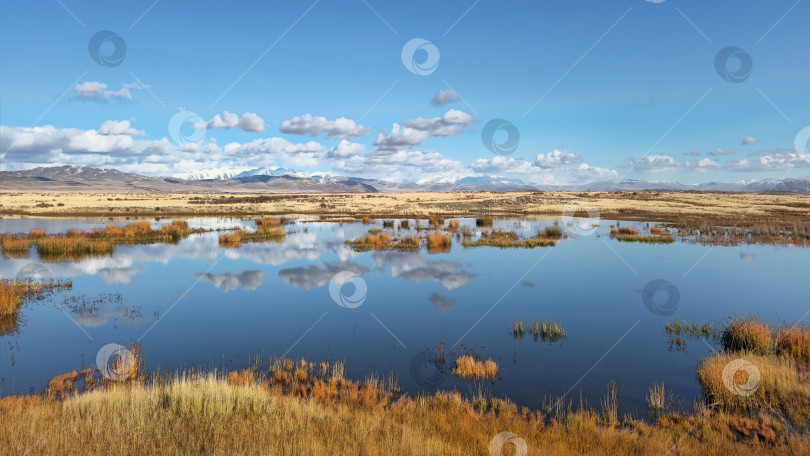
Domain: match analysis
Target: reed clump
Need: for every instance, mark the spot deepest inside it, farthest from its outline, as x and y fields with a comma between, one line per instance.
x=13, y=293
x=508, y=239
x=693, y=328
x=551, y=331
x=657, y=397
x=230, y=239
x=77, y=245
x=470, y=368
x=794, y=341
x=438, y=242
x=747, y=334
x=267, y=229
x=14, y=244
x=517, y=329
x=381, y=240
x=743, y=381
x=453, y=225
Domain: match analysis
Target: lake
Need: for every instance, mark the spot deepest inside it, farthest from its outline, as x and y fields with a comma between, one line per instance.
x=197, y=304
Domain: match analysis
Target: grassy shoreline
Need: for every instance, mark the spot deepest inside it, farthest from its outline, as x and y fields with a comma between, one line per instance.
x=303, y=407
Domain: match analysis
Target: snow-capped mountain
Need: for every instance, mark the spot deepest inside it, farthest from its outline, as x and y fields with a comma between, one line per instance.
x=211, y=173
x=272, y=172
x=234, y=173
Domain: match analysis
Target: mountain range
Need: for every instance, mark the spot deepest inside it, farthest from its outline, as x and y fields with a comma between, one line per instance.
x=280, y=180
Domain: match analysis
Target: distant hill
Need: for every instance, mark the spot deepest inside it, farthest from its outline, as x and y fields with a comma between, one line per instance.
x=283, y=180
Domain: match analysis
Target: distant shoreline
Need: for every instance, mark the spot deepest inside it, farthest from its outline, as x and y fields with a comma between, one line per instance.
x=687, y=208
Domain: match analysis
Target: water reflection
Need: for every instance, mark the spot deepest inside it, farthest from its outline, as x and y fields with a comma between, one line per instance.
x=248, y=280
x=422, y=299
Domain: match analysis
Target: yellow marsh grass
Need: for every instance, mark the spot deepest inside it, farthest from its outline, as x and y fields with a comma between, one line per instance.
x=14, y=244
x=14, y=292
x=747, y=334
x=9, y=299
x=438, y=242
x=781, y=384
x=793, y=341
x=467, y=367
x=207, y=415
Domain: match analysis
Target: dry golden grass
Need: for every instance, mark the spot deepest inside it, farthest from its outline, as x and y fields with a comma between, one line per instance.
x=467, y=367
x=36, y=234
x=747, y=334
x=438, y=242
x=453, y=225
x=210, y=414
x=14, y=244
x=657, y=397
x=14, y=292
x=77, y=245
x=508, y=239
x=793, y=340
x=9, y=298
x=230, y=239
x=381, y=240
x=775, y=383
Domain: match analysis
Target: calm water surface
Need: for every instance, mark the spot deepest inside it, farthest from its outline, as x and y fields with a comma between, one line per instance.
x=197, y=304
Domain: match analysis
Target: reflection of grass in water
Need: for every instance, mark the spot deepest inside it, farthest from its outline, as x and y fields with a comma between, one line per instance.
x=552, y=232
x=646, y=239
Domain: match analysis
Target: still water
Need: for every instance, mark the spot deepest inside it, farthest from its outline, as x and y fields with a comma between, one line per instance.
x=196, y=304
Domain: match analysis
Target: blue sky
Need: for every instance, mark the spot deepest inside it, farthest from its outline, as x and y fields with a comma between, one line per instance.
x=597, y=90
